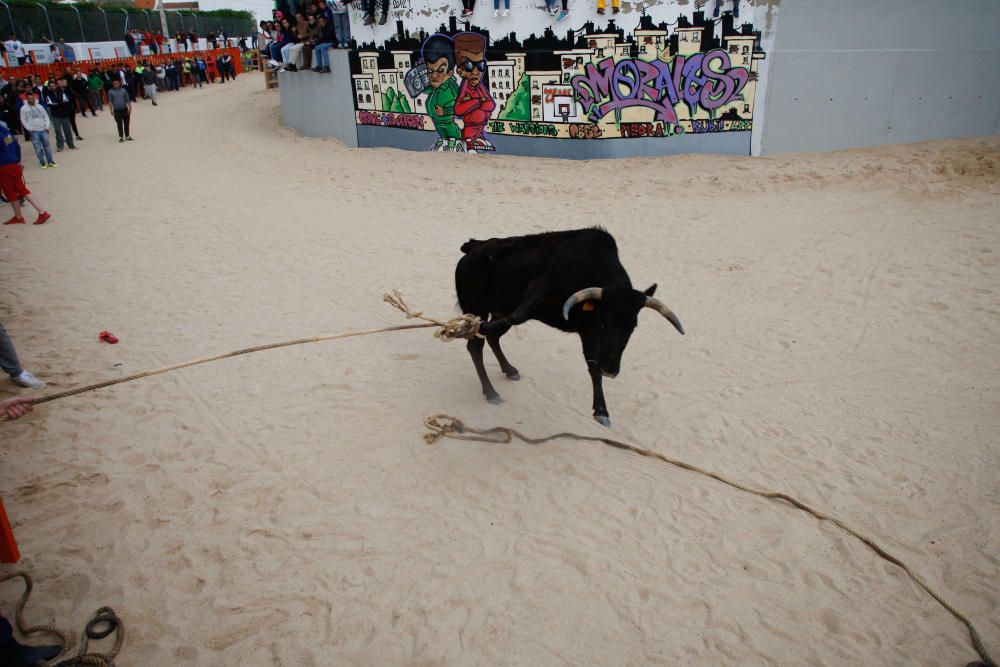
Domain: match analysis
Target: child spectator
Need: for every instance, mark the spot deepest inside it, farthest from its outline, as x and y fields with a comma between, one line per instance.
x=14, y=190
x=35, y=121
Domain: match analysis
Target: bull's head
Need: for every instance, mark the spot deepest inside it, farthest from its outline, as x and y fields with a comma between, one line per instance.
x=608, y=317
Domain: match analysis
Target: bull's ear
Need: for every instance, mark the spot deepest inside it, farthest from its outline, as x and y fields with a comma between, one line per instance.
x=650, y=290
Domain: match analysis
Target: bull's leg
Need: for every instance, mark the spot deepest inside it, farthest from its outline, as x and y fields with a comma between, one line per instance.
x=507, y=368
x=475, y=347
x=600, y=408
x=498, y=327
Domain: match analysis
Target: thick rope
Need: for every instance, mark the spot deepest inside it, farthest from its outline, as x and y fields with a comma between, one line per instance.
x=104, y=615
x=464, y=326
x=452, y=427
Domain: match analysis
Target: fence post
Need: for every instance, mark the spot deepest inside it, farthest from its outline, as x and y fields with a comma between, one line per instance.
x=10, y=16
x=52, y=35
x=107, y=28
x=83, y=37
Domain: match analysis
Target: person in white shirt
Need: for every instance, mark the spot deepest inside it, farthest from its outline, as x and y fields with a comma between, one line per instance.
x=15, y=50
x=35, y=121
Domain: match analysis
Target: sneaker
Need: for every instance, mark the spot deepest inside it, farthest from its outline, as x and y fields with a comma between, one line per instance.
x=466, y=13
x=59, y=149
x=120, y=140
x=385, y=18
x=553, y=11
x=27, y=380
x=128, y=138
x=325, y=70
x=53, y=164
x=615, y=10
x=45, y=166
x=42, y=217
x=496, y=13
x=506, y=12
x=369, y=19
x=562, y=15
x=600, y=11
x=273, y=63
x=154, y=104
x=72, y=148
x=15, y=221
x=291, y=68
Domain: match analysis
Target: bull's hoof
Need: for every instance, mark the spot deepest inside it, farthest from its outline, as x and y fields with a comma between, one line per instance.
x=495, y=399
x=513, y=376
x=603, y=420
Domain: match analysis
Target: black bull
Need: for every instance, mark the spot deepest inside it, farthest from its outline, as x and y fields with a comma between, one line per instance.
x=570, y=280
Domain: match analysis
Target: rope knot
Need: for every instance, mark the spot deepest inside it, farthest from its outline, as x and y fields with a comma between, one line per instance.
x=441, y=426
x=463, y=326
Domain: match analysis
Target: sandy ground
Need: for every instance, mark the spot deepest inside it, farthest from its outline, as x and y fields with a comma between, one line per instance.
x=282, y=509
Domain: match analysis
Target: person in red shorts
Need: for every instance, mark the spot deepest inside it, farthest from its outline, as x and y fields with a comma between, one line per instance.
x=12, y=178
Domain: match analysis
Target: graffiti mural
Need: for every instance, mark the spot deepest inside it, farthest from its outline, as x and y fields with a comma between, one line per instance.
x=655, y=80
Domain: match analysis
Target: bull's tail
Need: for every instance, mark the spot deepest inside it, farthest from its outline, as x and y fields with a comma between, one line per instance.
x=471, y=245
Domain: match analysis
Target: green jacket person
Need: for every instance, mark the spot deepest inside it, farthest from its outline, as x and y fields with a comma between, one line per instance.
x=439, y=55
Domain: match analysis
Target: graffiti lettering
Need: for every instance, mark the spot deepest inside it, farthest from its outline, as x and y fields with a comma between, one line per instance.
x=406, y=120
x=704, y=126
x=496, y=126
x=538, y=129
x=642, y=130
x=551, y=92
x=703, y=79
x=741, y=125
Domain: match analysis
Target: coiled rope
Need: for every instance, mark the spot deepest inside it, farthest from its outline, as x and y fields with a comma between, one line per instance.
x=104, y=616
x=467, y=326
x=446, y=426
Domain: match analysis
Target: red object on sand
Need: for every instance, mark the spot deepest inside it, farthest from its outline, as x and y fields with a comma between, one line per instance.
x=108, y=337
x=8, y=547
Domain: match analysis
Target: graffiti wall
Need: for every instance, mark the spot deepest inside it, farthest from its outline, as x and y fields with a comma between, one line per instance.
x=653, y=71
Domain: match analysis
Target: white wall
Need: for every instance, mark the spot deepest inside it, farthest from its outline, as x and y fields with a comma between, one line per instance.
x=852, y=73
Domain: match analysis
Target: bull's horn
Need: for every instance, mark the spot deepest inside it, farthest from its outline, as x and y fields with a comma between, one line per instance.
x=662, y=309
x=588, y=294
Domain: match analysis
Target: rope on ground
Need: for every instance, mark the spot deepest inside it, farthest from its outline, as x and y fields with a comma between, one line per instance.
x=463, y=326
x=104, y=615
x=446, y=426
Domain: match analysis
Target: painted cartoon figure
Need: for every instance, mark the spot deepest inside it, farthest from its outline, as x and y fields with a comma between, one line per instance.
x=474, y=105
x=442, y=91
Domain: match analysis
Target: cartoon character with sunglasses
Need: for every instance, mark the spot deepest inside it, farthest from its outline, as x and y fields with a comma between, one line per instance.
x=434, y=77
x=474, y=105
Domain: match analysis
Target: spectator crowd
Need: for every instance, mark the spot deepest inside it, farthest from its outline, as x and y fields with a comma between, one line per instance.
x=304, y=40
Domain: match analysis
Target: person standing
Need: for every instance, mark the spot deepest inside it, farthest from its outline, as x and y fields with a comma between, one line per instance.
x=95, y=83
x=121, y=107
x=12, y=365
x=35, y=121
x=60, y=107
x=149, y=83
x=14, y=190
x=130, y=42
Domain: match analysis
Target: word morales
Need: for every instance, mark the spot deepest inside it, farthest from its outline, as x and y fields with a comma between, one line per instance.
x=703, y=79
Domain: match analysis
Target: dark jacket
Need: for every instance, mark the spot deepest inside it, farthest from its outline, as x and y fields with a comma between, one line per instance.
x=148, y=76
x=60, y=102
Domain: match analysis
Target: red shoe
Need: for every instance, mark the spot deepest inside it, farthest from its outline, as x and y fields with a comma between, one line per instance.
x=15, y=221
x=42, y=217
x=108, y=337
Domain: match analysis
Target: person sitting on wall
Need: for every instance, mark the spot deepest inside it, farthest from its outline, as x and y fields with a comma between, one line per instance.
x=474, y=105
x=718, y=4
x=130, y=42
x=15, y=50
x=438, y=53
x=327, y=37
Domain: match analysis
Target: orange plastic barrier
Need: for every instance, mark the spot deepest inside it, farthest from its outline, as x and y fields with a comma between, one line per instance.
x=8, y=547
x=56, y=69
